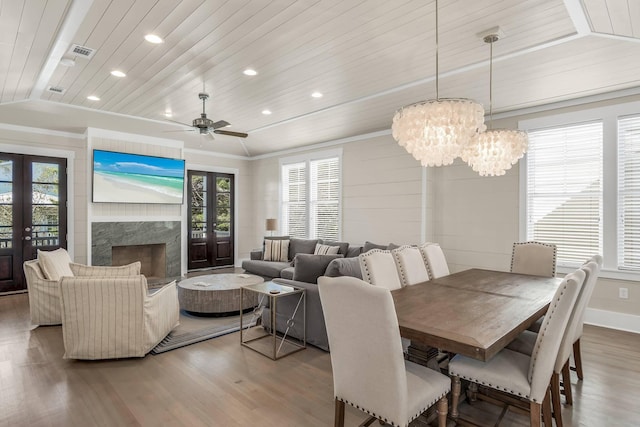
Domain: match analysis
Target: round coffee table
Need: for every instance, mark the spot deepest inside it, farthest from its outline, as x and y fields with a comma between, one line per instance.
x=216, y=293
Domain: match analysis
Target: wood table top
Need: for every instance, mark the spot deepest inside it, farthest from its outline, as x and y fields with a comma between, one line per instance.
x=474, y=312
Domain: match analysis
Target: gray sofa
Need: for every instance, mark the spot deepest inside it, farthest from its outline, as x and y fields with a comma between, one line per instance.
x=303, y=271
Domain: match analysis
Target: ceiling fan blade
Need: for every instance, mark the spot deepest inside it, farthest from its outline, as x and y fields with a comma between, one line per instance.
x=220, y=124
x=231, y=133
x=179, y=123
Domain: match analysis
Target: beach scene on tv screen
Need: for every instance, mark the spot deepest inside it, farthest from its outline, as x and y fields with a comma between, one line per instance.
x=131, y=178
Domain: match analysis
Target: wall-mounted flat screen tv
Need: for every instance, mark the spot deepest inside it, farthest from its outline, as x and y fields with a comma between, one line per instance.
x=135, y=178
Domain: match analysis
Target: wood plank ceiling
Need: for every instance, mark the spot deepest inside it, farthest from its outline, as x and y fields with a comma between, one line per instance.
x=367, y=57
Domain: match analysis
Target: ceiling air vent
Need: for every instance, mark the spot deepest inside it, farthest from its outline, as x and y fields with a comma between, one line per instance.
x=82, y=51
x=56, y=89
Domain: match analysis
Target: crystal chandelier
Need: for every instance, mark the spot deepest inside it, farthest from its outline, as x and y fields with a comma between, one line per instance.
x=437, y=131
x=494, y=152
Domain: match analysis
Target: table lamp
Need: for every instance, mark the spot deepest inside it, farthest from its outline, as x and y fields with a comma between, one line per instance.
x=271, y=225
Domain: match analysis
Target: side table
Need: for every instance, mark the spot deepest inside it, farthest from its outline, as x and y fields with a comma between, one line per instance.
x=257, y=337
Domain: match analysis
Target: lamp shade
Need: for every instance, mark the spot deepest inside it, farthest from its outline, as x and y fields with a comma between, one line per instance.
x=271, y=224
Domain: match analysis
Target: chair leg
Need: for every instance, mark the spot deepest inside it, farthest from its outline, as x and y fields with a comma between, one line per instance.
x=555, y=398
x=455, y=396
x=534, y=414
x=566, y=383
x=546, y=409
x=577, y=357
x=339, y=414
x=442, y=412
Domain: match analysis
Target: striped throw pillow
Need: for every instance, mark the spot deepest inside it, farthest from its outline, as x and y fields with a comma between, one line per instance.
x=326, y=249
x=276, y=250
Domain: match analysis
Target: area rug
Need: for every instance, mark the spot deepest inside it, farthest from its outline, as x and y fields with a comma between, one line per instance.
x=194, y=329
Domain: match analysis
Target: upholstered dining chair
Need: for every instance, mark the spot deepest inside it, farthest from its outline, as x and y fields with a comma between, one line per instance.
x=534, y=258
x=369, y=371
x=435, y=260
x=411, y=265
x=379, y=269
x=115, y=317
x=526, y=377
x=525, y=342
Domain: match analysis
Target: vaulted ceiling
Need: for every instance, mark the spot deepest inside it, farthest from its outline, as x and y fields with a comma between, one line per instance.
x=367, y=57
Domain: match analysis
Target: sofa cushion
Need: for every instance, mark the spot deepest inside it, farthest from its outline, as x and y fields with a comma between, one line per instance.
x=276, y=250
x=264, y=268
x=308, y=267
x=132, y=269
x=301, y=246
x=368, y=246
x=344, y=246
x=344, y=267
x=326, y=249
x=55, y=264
x=287, y=273
x=353, y=251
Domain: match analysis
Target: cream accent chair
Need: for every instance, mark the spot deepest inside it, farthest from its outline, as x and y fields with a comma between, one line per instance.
x=526, y=377
x=369, y=371
x=379, y=269
x=534, y=258
x=435, y=260
x=44, y=294
x=411, y=265
x=115, y=317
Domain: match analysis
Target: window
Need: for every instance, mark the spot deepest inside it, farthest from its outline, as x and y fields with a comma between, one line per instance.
x=311, y=196
x=564, y=190
x=580, y=186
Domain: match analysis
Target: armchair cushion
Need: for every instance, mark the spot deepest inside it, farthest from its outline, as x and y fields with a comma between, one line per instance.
x=55, y=264
x=132, y=269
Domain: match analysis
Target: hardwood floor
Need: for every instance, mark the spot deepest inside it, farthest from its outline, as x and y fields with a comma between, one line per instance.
x=220, y=383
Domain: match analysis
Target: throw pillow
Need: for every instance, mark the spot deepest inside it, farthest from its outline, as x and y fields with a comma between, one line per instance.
x=326, y=249
x=344, y=267
x=55, y=264
x=368, y=246
x=301, y=246
x=308, y=267
x=344, y=246
x=276, y=250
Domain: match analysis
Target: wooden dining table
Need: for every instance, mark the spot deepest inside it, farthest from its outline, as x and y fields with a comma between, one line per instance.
x=474, y=312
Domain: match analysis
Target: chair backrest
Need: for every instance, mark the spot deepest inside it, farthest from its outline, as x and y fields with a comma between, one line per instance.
x=435, y=260
x=591, y=270
x=379, y=269
x=366, y=350
x=411, y=265
x=545, y=350
x=32, y=270
x=577, y=333
x=534, y=258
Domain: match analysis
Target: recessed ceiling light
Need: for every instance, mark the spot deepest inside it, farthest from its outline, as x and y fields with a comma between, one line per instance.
x=152, y=38
x=316, y=94
x=93, y=98
x=168, y=114
x=266, y=112
x=67, y=62
x=250, y=72
x=118, y=73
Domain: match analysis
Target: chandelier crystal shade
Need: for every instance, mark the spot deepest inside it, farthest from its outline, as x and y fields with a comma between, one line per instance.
x=494, y=151
x=437, y=131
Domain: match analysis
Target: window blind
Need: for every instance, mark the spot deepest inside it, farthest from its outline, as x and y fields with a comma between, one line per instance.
x=294, y=199
x=325, y=199
x=564, y=190
x=629, y=193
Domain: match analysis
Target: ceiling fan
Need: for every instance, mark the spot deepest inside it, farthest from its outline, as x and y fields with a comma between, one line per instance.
x=206, y=126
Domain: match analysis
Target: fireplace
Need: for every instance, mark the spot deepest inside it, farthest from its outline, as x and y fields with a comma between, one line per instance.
x=156, y=244
x=152, y=257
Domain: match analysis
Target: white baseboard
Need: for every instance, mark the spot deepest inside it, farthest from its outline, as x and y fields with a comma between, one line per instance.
x=613, y=320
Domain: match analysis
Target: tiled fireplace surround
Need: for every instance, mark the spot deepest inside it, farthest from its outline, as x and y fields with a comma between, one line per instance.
x=157, y=244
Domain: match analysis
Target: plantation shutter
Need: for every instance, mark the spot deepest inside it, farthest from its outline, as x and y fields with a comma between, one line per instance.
x=294, y=198
x=325, y=199
x=564, y=190
x=629, y=193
